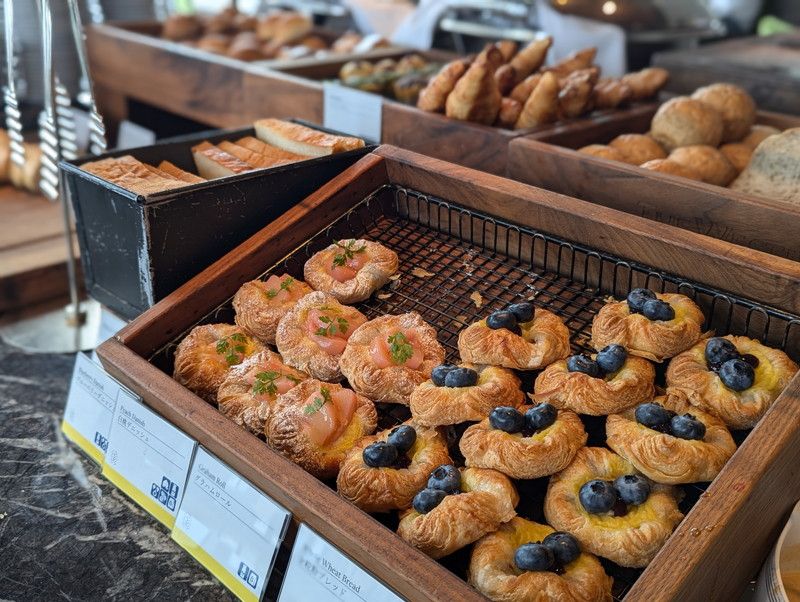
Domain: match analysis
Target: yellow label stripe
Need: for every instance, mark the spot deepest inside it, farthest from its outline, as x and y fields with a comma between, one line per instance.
x=89, y=448
x=152, y=506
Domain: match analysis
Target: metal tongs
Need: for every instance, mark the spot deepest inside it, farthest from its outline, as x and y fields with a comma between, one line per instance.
x=13, y=115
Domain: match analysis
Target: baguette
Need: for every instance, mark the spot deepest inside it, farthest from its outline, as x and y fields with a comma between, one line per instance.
x=177, y=172
x=213, y=162
x=302, y=140
x=131, y=174
x=252, y=158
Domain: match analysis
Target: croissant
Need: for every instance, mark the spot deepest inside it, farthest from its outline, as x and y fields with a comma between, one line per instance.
x=580, y=59
x=434, y=96
x=610, y=93
x=476, y=96
x=575, y=96
x=507, y=48
x=506, y=78
x=523, y=89
x=260, y=305
x=542, y=105
x=646, y=83
x=530, y=58
x=509, y=113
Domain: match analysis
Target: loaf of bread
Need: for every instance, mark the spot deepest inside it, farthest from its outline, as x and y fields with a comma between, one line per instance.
x=303, y=140
x=774, y=169
x=131, y=174
x=213, y=162
x=177, y=172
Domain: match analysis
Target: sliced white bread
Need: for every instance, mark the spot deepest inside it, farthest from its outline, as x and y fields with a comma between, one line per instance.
x=303, y=140
x=131, y=174
x=213, y=162
x=269, y=151
x=252, y=158
x=176, y=172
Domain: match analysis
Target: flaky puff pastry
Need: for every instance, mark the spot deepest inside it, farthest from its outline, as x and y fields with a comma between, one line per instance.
x=205, y=355
x=664, y=458
x=631, y=540
x=540, y=454
x=492, y=570
x=630, y=385
x=371, y=263
x=385, y=489
x=393, y=382
x=300, y=348
x=439, y=406
x=486, y=501
x=248, y=392
x=652, y=339
x=297, y=418
x=689, y=373
x=260, y=304
x=544, y=340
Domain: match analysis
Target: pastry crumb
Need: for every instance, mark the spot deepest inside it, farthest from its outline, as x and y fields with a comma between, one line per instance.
x=394, y=277
x=609, y=299
x=420, y=273
x=477, y=299
x=460, y=320
x=383, y=296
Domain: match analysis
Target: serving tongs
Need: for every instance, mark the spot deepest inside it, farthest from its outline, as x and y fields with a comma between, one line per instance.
x=13, y=114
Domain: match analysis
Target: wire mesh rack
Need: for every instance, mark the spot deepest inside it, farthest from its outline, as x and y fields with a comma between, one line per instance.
x=457, y=265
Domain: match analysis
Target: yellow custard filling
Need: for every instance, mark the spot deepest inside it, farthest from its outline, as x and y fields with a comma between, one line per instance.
x=530, y=532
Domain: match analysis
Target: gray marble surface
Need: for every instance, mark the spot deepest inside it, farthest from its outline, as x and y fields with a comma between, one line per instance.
x=65, y=532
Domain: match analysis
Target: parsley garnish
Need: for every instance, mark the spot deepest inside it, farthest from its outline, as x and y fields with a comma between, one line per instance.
x=265, y=382
x=331, y=324
x=231, y=347
x=399, y=348
x=318, y=402
x=348, y=252
x=272, y=293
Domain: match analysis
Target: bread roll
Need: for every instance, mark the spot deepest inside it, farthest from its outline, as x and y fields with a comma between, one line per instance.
x=737, y=108
x=214, y=42
x=637, y=148
x=737, y=153
x=181, y=27
x=672, y=168
x=684, y=121
x=711, y=164
x=759, y=133
x=602, y=151
x=774, y=169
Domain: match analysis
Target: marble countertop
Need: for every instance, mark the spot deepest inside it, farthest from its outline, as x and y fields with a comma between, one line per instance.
x=65, y=532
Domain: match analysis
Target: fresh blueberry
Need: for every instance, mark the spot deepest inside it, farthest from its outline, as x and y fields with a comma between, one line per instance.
x=737, y=374
x=687, y=426
x=583, y=363
x=632, y=489
x=461, y=377
x=751, y=359
x=653, y=415
x=564, y=546
x=656, y=309
x=502, y=319
x=445, y=477
x=427, y=499
x=597, y=496
x=508, y=419
x=719, y=351
x=402, y=437
x=439, y=373
x=541, y=416
x=379, y=454
x=637, y=297
x=523, y=312
x=533, y=557
x=611, y=358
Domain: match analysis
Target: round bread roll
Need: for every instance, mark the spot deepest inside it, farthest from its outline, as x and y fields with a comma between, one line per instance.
x=637, y=148
x=245, y=46
x=737, y=153
x=214, y=42
x=683, y=121
x=181, y=27
x=602, y=151
x=737, y=108
x=758, y=133
x=711, y=164
x=673, y=168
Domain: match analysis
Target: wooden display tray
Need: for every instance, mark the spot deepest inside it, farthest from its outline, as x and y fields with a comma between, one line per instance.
x=550, y=161
x=704, y=559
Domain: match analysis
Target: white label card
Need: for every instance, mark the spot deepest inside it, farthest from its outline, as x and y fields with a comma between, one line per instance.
x=229, y=526
x=133, y=135
x=110, y=324
x=148, y=459
x=318, y=571
x=352, y=111
x=90, y=407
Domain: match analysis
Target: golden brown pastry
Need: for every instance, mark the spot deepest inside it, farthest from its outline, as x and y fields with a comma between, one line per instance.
x=580, y=59
x=245, y=46
x=735, y=105
x=434, y=96
x=476, y=97
x=493, y=572
x=312, y=335
x=249, y=390
x=672, y=168
x=738, y=154
x=387, y=357
x=541, y=341
x=759, y=133
x=575, y=96
x=637, y=148
x=509, y=113
x=205, y=355
x=655, y=339
x=530, y=58
x=523, y=89
x=646, y=83
x=686, y=454
x=506, y=78
x=214, y=42
x=603, y=152
x=508, y=48
x=711, y=164
x=486, y=501
x=181, y=27
x=630, y=536
x=610, y=93
x=541, y=107
x=315, y=424
x=435, y=404
x=260, y=304
x=351, y=269
x=739, y=409
x=684, y=121
x=529, y=453
x=383, y=484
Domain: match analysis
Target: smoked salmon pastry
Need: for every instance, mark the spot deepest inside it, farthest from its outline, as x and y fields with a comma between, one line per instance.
x=387, y=357
x=260, y=304
x=605, y=383
x=518, y=337
x=248, y=392
x=524, y=561
x=734, y=378
x=526, y=442
x=671, y=441
x=611, y=509
x=458, y=507
x=312, y=335
x=315, y=424
x=351, y=269
x=656, y=326
x=464, y=393
x=205, y=356
x=385, y=471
